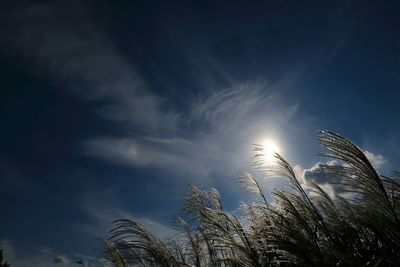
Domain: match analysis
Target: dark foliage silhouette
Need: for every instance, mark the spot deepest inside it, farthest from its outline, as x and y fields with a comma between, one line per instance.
x=3, y=264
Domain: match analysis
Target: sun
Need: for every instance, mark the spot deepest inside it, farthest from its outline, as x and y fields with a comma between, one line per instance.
x=270, y=148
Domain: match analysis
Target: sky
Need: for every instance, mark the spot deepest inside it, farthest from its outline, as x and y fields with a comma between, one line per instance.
x=109, y=109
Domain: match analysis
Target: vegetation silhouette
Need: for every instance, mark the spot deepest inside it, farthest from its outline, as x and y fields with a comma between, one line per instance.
x=3, y=264
x=300, y=227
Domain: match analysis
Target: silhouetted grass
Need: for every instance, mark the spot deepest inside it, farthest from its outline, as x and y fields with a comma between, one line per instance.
x=3, y=264
x=299, y=228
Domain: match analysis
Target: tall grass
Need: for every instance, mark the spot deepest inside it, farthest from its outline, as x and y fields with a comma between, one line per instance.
x=298, y=228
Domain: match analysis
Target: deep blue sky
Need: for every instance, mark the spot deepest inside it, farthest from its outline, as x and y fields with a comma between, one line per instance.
x=109, y=109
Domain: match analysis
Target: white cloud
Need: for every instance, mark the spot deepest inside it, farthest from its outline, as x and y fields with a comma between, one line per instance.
x=328, y=188
x=377, y=160
x=299, y=172
x=61, y=260
x=185, y=156
x=323, y=180
x=117, y=150
x=314, y=173
x=78, y=55
x=231, y=121
x=326, y=180
x=227, y=110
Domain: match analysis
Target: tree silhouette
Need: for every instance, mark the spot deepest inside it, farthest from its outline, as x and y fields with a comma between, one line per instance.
x=5, y=264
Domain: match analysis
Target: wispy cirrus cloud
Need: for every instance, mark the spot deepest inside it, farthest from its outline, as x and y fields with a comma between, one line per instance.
x=229, y=121
x=103, y=209
x=181, y=156
x=226, y=110
x=80, y=56
x=77, y=54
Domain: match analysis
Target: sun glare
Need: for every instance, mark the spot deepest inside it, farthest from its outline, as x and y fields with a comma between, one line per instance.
x=270, y=148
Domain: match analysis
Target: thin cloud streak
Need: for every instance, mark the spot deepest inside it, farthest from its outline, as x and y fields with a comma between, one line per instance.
x=231, y=120
x=103, y=209
x=79, y=55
